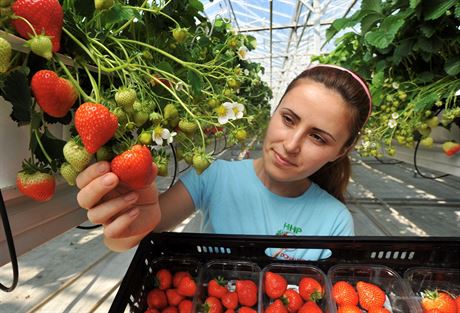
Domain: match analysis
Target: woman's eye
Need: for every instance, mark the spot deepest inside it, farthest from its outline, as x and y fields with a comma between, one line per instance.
x=318, y=138
x=287, y=120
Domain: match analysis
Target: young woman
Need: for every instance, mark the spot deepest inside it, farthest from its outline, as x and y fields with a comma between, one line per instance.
x=296, y=188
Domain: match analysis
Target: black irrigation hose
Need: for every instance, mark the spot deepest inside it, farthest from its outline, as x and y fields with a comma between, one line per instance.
x=11, y=248
x=416, y=167
x=175, y=164
x=391, y=163
x=89, y=227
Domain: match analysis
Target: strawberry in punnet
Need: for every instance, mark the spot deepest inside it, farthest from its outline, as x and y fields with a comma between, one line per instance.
x=212, y=305
x=37, y=185
x=457, y=301
x=274, y=285
x=230, y=300
x=174, y=298
x=95, y=124
x=54, y=94
x=247, y=292
x=217, y=287
x=370, y=295
x=156, y=298
x=187, y=286
x=349, y=308
x=245, y=309
x=310, y=289
x=76, y=155
x=170, y=309
x=185, y=306
x=5, y=55
x=177, y=277
x=433, y=311
x=344, y=293
x=152, y=310
x=378, y=310
x=310, y=307
x=164, y=278
x=276, y=306
x=46, y=16
x=135, y=167
x=435, y=299
x=450, y=148
x=292, y=299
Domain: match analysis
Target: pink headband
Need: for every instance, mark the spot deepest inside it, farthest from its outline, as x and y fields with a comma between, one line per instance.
x=357, y=78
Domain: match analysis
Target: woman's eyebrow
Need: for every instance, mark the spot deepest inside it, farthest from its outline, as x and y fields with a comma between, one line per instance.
x=314, y=128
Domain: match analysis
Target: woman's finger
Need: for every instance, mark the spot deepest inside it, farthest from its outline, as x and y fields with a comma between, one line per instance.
x=106, y=211
x=121, y=227
x=96, y=189
x=92, y=172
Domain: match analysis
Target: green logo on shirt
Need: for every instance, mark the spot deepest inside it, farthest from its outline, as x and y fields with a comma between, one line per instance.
x=289, y=228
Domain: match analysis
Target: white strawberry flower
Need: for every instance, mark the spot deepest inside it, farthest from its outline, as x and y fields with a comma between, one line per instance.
x=457, y=93
x=238, y=110
x=242, y=52
x=160, y=134
x=180, y=86
x=392, y=123
x=225, y=113
x=394, y=115
x=246, y=72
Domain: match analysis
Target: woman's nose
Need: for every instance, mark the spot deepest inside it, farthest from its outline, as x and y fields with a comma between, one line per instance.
x=292, y=142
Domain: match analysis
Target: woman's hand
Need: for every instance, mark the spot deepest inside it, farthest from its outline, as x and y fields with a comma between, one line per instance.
x=127, y=215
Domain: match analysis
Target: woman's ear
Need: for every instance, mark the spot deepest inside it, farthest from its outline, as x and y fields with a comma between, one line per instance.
x=343, y=152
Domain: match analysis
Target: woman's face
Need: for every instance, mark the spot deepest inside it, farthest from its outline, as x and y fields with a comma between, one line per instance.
x=307, y=130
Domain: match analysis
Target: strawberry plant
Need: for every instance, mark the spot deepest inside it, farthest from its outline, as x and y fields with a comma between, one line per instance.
x=409, y=53
x=151, y=73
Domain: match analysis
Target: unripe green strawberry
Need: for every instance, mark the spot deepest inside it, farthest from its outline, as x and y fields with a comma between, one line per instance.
x=69, y=173
x=5, y=55
x=180, y=34
x=241, y=135
x=41, y=45
x=145, y=137
x=125, y=97
x=427, y=142
x=162, y=165
x=155, y=117
x=213, y=103
x=76, y=155
x=36, y=185
x=433, y=122
x=140, y=117
x=201, y=161
x=170, y=111
x=187, y=127
x=103, y=4
x=188, y=157
x=104, y=153
x=233, y=83
x=121, y=116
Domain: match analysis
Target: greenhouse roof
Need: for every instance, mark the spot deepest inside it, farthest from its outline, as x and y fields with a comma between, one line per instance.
x=288, y=32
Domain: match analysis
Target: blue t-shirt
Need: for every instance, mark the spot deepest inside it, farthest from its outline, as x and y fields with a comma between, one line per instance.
x=234, y=200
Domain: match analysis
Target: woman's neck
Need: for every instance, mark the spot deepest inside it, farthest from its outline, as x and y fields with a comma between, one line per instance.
x=285, y=189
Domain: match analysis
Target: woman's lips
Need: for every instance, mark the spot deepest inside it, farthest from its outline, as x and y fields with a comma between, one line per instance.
x=279, y=159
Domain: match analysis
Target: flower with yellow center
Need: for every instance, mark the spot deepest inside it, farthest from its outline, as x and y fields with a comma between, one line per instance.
x=242, y=52
x=160, y=134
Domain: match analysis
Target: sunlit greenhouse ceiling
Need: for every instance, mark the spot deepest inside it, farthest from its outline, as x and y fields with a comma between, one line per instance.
x=288, y=32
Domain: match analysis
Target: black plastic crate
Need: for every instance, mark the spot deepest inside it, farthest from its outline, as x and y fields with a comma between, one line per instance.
x=398, y=253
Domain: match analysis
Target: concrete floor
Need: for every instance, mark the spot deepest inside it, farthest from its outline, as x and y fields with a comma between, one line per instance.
x=76, y=273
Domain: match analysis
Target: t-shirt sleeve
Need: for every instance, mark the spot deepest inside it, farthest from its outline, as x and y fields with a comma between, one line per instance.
x=344, y=224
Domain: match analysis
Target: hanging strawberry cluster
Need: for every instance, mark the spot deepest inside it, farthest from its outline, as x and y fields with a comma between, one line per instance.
x=130, y=77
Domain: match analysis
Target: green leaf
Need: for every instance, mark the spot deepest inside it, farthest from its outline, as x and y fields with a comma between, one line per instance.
x=196, y=4
x=435, y=9
x=16, y=90
x=165, y=67
x=457, y=10
x=372, y=5
x=425, y=102
x=414, y=3
x=117, y=14
x=386, y=33
x=84, y=7
x=219, y=23
x=369, y=21
x=53, y=147
x=452, y=66
x=427, y=45
x=402, y=50
x=195, y=81
x=427, y=30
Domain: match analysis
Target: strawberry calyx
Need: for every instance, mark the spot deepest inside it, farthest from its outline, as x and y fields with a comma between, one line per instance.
x=316, y=296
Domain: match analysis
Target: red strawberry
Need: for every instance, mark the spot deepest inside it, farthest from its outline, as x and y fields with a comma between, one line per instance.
x=276, y=306
x=292, y=299
x=46, y=16
x=230, y=300
x=231, y=311
x=274, y=284
x=370, y=295
x=135, y=167
x=310, y=289
x=378, y=310
x=156, y=298
x=174, y=298
x=212, y=305
x=217, y=287
x=187, y=286
x=178, y=276
x=185, y=306
x=310, y=307
x=439, y=300
x=164, y=278
x=245, y=309
x=457, y=300
x=433, y=311
x=344, y=293
x=450, y=147
x=95, y=124
x=36, y=185
x=152, y=310
x=54, y=94
x=247, y=292
x=349, y=308
x=170, y=309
